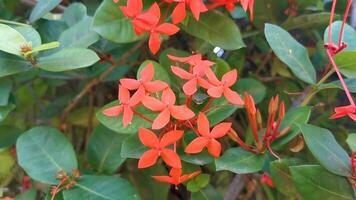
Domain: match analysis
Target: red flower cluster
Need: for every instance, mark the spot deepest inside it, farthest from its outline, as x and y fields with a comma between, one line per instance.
x=172, y=119
x=151, y=22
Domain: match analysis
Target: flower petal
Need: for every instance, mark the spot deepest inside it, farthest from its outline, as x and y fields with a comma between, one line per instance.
x=128, y=114
x=181, y=112
x=214, y=148
x=203, y=125
x=147, y=73
x=167, y=29
x=175, y=173
x=212, y=77
x=179, y=13
x=197, y=145
x=148, y=138
x=153, y=104
x=186, y=177
x=113, y=111
x=129, y=83
x=170, y=138
x=181, y=73
x=162, y=119
x=171, y=158
x=220, y=130
x=168, y=96
x=190, y=87
x=154, y=42
x=137, y=96
x=233, y=97
x=148, y=159
x=216, y=92
x=155, y=86
x=165, y=179
x=230, y=78
x=124, y=94
x=135, y=6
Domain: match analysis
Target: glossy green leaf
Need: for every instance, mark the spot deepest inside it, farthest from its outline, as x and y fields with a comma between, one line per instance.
x=27, y=195
x=252, y=86
x=351, y=84
x=239, y=161
x=132, y=147
x=294, y=115
x=326, y=150
x=11, y=40
x=315, y=183
x=351, y=141
x=101, y=188
x=10, y=64
x=112, y=25
x=202, y=158
x=30, y=34
x=215, y=28
x=5, y=89
x=43, y=7
x=349, y=36
x=282, y=178
x=5, y=111
x=346, y=62
x=8, y=162
x=306, y=21
x=292, y=53
x=115, y=123
x=219, y=110
x=208, y=193
x=43, y=47
x=198, y=183
x=8, y=135
x=79, y=35
x=43, y=152
x=68, y=59
x=104, y=150
x=74, y=13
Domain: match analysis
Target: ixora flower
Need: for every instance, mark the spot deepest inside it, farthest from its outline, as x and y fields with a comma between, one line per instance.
x=145, y=82
x=342, y=111
x=175, y=177
x=149, y=22
x=126, y=105
x=219, y=88
x=206, y=138
x=167, y=109
x=158, y=148
x=195, y=62
x=230, y=5
x=179, y=12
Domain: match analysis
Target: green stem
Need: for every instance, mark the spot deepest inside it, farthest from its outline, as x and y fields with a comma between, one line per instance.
x=13, y=23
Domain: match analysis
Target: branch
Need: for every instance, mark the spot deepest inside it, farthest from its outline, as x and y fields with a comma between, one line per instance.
x=31, y=3
x=235, y=187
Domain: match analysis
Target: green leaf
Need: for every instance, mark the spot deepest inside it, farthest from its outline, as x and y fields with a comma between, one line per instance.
x=315, y=183
x=115, y=123
x=351, y=84
x=346, y=62
x=202, y=158
x=8, y=135
x=292, y=53
x=282, y=178
x=68, y=59
x=219, y=110
x=43, y=7
x=27, y=195
x=104, y=150
x=326, y=150
x=299, y=115
x=101, y=188
x=74, y=13
x=351, y=141
x=215, y=28
x=5, y=90
x=7, y=165
x=43, y=152
x=306, y=21
x=252, y=86
x=198, y=183
x=6, y=110
x=239, y=161
x=11, y=40
x=349, y=36
x=132, y=147
x=44, y=47
x=79, y=35
x=161, y=73
x=10, y=64
x=208, y=193
x=30, y=35
x=111, y=24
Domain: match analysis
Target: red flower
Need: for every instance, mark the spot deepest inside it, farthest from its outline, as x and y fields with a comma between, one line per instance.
x=194, y=78
x=175, y=176
x=345, y=111
x=167, y=108
x=208, y=139
x=126, y=105
x=132, y=10
x=230, y=5
x=179, y=13
x=149, y=22
x=145, y=82
x=222, y=87
x=159, y=148
x=248, y=4
x=266, y=179
x=195, y=61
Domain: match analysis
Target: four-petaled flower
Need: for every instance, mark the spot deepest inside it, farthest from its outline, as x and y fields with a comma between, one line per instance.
x=175, y=177
x=179, y=12
x=206, y=138
x=126, y=106
x=195, y=62
x=132, y=10
x=158, y=148
x=145, y=82
x=219, y=88
x=167, y=109
x=345, y=111
x=149, y=22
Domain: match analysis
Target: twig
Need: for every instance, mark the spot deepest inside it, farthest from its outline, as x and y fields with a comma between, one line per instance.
x=235, y=187
x=97, y=80
x=34, y=2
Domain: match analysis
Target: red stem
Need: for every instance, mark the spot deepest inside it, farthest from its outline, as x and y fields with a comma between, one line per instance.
x=346, y=14
x=331, y=21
